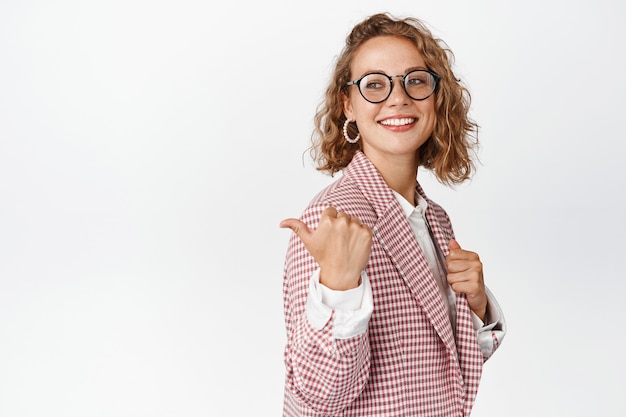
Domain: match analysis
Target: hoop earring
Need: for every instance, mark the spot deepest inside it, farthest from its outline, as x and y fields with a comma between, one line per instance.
x=345, y=133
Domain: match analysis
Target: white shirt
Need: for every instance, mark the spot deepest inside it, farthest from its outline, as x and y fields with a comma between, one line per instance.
x=436, y=261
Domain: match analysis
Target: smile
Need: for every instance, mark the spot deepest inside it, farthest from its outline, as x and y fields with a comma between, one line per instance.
x=398, y=122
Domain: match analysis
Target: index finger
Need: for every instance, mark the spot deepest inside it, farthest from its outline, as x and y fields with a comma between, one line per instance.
x=461, y=254
x=330, y=211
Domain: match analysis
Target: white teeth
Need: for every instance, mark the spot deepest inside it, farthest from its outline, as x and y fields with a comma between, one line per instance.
x=397, y=122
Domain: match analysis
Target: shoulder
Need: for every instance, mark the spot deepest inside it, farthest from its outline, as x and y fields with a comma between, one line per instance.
x=345, y=195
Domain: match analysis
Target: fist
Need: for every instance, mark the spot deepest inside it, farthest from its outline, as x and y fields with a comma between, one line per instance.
x=465, y=276
x=341, y=246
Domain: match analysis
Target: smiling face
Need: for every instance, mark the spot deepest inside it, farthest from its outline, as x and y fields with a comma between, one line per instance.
x=394, y=130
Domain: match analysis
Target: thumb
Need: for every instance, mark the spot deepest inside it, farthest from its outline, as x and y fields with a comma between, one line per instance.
x=453, y=244
x=298, y=227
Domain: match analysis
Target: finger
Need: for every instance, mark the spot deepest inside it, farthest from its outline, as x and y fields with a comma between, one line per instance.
x=462, y=257
x=453, y=244
x=330, y=211
x=457, y=253
x=456, y=277
x=460, y=287
x=457, y=263
x=298, y=227
x=470, y=264
x=471, y=289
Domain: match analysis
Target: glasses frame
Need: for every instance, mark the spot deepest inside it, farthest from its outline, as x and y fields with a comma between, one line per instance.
x=433, y=74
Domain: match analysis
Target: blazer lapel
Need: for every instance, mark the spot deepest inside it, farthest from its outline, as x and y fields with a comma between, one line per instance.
x=470, y=355
x=393, y=232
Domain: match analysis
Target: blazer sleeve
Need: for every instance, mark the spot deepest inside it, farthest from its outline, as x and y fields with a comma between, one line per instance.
x=322, y=371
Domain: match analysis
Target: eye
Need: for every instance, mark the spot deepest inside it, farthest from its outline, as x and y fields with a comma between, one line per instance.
x=373, y=85
x=417, y=79
x=374, y=82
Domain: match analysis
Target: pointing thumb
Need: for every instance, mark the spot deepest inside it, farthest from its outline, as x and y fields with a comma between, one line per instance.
x=453, y=244
x=298, y=227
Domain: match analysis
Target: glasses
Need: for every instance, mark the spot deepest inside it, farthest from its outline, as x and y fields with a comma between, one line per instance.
x=376, y=87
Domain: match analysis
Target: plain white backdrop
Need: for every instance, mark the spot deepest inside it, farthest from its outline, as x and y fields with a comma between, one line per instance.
x=149, y=149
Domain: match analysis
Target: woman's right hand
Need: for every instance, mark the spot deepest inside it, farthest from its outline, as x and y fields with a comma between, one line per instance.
x=340, y=245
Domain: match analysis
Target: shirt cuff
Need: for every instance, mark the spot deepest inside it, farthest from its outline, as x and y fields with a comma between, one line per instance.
x=353, y=308
x=490, y=335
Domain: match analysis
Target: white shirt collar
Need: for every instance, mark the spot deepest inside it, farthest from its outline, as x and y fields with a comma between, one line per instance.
x=408, y=208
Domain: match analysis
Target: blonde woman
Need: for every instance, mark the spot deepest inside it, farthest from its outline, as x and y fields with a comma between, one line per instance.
x=386, y=314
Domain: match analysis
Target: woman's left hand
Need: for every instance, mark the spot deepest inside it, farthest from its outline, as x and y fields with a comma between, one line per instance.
x=465, y=275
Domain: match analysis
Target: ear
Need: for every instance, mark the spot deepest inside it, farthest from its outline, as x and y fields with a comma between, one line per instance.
x=347, y=106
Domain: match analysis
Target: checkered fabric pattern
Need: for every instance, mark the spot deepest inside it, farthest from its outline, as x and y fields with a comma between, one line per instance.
x=408, y=362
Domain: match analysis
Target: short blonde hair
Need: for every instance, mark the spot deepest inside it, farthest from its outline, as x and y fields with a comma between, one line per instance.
x=447, y=152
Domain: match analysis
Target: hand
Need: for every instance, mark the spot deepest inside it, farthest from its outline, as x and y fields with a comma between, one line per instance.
x=465, y=275
x=340, y=245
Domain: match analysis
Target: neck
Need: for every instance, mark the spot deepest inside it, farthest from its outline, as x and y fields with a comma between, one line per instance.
x=400, y=174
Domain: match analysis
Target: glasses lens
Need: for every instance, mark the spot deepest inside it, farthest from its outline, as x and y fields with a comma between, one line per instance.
x=375, y=87
x=419, y=84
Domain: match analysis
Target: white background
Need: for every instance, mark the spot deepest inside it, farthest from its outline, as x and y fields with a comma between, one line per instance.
x=149, y=149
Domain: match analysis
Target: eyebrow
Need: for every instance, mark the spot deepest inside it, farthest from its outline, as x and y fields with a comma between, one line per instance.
x=419, y=67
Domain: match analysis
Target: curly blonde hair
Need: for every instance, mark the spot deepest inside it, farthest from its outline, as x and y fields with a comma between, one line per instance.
x=447, y=152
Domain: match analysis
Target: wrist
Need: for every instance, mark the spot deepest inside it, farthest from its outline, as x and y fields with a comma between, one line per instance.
x=482, y=314
x=329, y=281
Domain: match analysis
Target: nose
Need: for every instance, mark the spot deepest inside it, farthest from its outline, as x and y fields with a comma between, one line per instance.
x=398, y=96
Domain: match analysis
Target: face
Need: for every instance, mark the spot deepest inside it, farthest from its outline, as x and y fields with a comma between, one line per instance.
x=396, y=128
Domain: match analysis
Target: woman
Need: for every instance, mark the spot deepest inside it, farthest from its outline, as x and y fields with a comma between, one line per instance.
x=386, y=314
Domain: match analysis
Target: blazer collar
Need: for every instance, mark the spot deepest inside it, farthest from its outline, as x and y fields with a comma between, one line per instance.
x=363, y=172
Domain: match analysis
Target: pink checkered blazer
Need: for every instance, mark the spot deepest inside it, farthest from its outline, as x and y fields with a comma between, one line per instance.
x=408, y=362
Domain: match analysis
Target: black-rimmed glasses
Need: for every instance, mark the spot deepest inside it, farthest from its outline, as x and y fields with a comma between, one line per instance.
x=376, y=87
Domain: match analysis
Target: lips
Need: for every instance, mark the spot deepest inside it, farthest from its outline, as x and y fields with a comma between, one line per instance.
x=403, y=121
